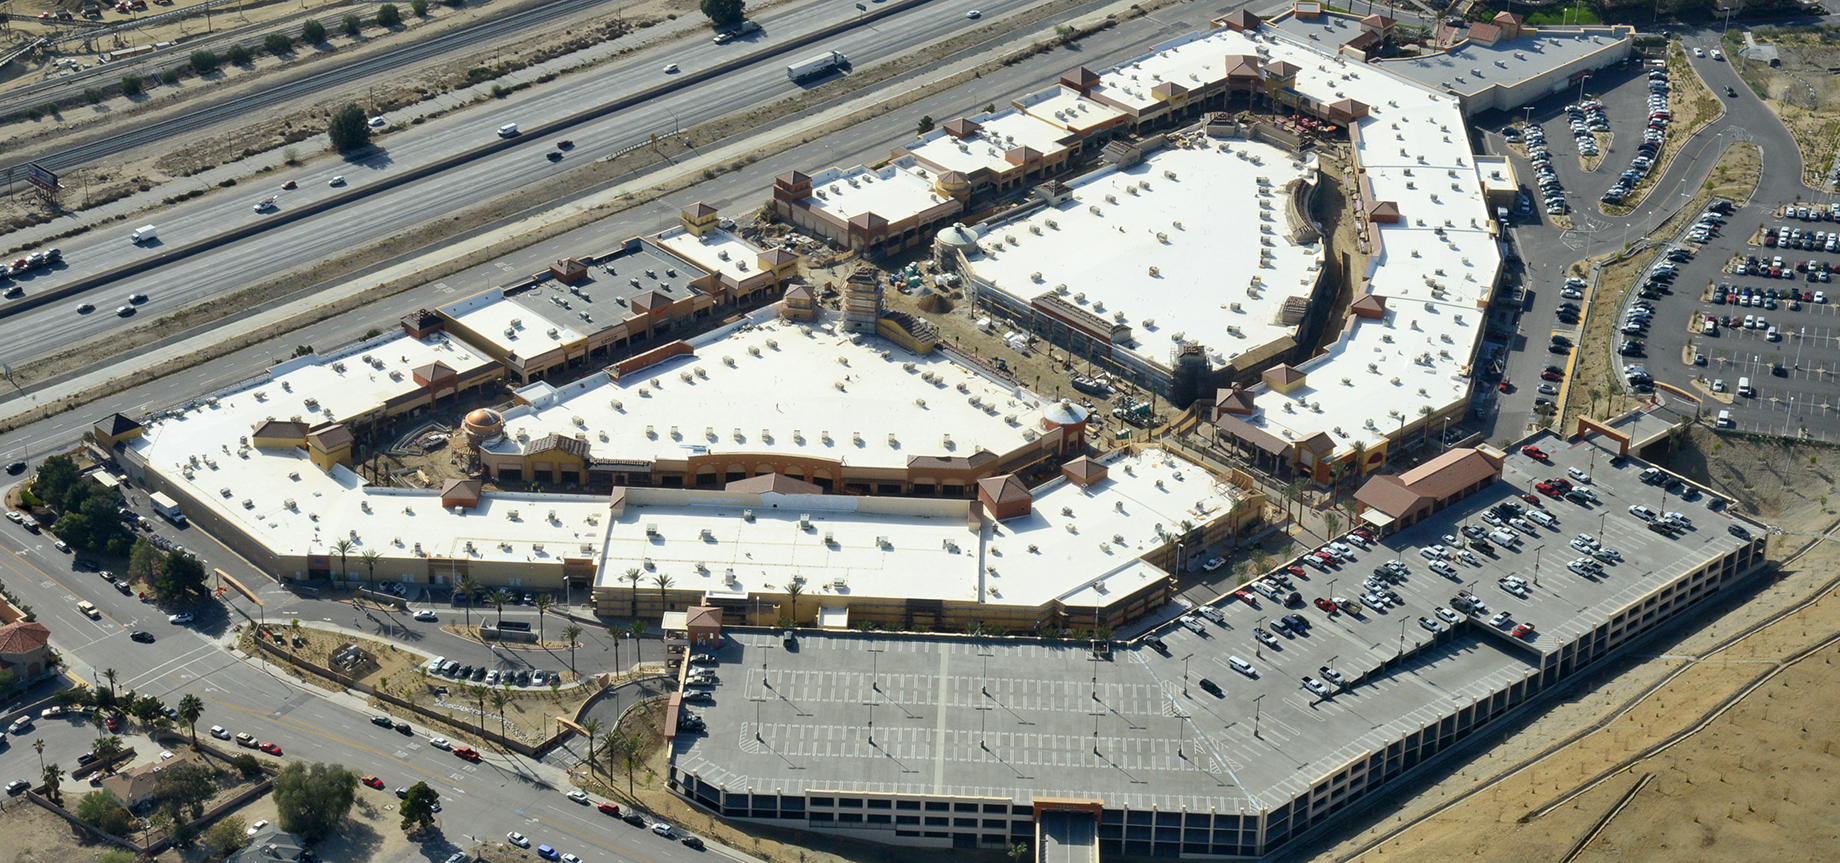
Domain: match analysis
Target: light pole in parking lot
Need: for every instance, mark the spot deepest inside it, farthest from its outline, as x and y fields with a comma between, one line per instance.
x=1185, y=675
x=1257, y=710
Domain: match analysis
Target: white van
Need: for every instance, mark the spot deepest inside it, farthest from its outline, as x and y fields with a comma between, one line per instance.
x=1542, y=516
x=1724, y=419
x=509, y=130
x=1744, y=388
x=1242, y=666
x=1505, y=537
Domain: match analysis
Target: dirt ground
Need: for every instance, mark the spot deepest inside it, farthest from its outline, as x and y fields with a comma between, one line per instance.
x=1735, y=729
x=1593, y=387
x=1803, y=90
x=1693, y=107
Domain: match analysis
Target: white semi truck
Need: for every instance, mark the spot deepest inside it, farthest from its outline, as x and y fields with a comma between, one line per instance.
x=822, y=63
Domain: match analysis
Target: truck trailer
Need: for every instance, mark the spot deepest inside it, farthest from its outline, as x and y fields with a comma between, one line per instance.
x=822, y=63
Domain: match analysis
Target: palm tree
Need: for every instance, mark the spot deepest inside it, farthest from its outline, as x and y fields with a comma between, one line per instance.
x=479, y=692
x=638, y=633
x=1330, y=522
x=499, y=700
x=629, y=753
x=343, y=547
x=106, y=746
x=39, y=747
x=1016, y=852
x=633, y=575
x=1425, y=412
x=190, y=708
x=110, y=675
x=544, y=601
x=613, y=632
x=369, y=558
x=663, y=581
x=793, y=591
x=466, y=585
x=610, y=746
x=1357, y=453
x=1261, y=560
x=53, y=775
x=569, y=634
x=591, y=726
x=498, y=598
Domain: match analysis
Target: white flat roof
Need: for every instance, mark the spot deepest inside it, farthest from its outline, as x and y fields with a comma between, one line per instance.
x=1196, y=230
x=253, y=488
x=1066, y=108
x=1472, y=67
x=900, y=190
x=931, y=551
x=784, y=387
x=350, y=383
x=512, y=326
x=1001, y=132
x=717, y=251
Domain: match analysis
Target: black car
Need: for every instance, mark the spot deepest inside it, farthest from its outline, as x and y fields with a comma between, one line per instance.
x=479, y=674
x=402, y=726
x=124, y=588
x=381, y=721
x=1297, y=621
x=633, y=818
x=692, y=842
x=523, y=678
x=465, y=671
x=16, y=468
x=87, y=757
x=1157, y=645
x=1212, y=688
x=141, y=636
x=17, y=787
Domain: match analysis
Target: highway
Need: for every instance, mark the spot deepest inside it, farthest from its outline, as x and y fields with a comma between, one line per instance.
x=330, y=234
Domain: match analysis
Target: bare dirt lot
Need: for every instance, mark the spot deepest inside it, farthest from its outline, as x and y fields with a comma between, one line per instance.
x=1730, y=718
x=1803, y=89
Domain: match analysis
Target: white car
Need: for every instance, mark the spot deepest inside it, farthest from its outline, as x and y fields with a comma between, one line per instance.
x=336, y=181
x=1642, y=512
x=1430, y=624
x=1578, y=475
x=219, y=732
x=662, y=829
x=378, y=122
x=1500, y=619
x=440, y=743
x=578, y=796
x=425, y=615
x=253, y=828
x=1432, y=552
x=1446, y=614
x=974, y=14
x=670, y=68
x=570, y=858
x=181, y=617
x=518, y=839
x=1214, y=564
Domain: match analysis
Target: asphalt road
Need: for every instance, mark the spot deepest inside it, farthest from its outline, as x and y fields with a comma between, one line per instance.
x=1547, y=252
x=328, y=235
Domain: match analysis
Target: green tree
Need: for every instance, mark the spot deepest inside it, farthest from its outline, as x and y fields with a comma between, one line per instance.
x=312, y=800
x=190, y=708
x=225, y=837
x=147, y=710
x=663, y=580
x=144, y=561
x=312, y=32
x=100, y=810
x=169, y=77
x=926, y=124
x=186, y=787
x=465, y=587
x=54, y=777
x=204, y=61
x=93, y=95
x=110, y=674
x=181, y=575
x=116, y=855
x=277, y=43
x=590, y=727
x=418, y=808
x=369, y=558
x=633, y=575
x=344, y=547
x=106, y=746
x=544, y=601
x=723, y=12
x=247, y=765
x=499, y=700
x=353, y=25
x=794, y=590
x=388, y=15
x=56, y=480
x=348, y=129
x=498, y=598
x=419, y=7
x=237, y=55
x=637, y=630
x=131, y=85
x=569, y=634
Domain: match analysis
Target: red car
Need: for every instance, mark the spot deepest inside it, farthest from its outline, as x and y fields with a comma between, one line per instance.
x=467, y=752
x=610, y=808
x=1523, y=630
x=1363, y=533
x=269, y=748
x=1323, y=604
x=114, y=722
x=290, y=185
x=372, y=781
x=1246, y=597
x=1546, y=488
x=1533, y=452
x=1551, y=376
x=1531, y=499
x=1504, y=386
x=1296, y=570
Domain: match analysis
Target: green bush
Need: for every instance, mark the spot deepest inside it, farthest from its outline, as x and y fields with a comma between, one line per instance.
x=277, y=44
x=169, y=77
x=130, y=85
x=348, y=129
x=419, y=7
x=92, y=94
x=312, y=32
x=723, y=12
x=204, y=61
x=237, y=55
x=388, y=15
x=353, y=24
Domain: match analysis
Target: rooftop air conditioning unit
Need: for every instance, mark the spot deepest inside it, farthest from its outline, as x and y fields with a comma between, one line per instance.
x=805, y=521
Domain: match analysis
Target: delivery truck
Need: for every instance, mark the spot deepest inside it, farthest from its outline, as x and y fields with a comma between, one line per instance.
x=816, y=65
x=167, y=507
x=143, y=234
